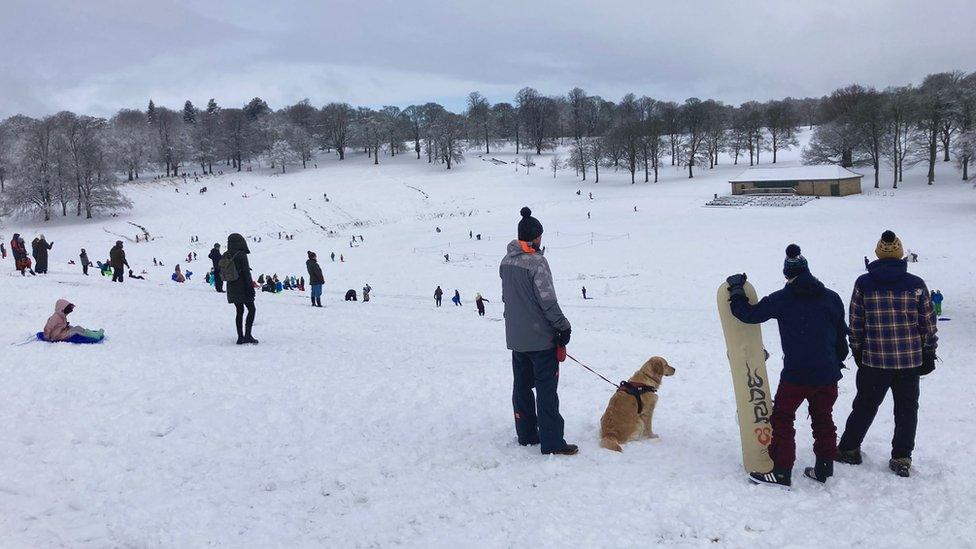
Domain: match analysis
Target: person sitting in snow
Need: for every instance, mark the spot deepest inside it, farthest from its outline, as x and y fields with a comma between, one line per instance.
x=58, y=329
x=814, y=336
x=135, y=276
x=178, y=276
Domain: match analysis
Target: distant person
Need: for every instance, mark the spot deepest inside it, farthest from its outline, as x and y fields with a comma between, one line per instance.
x=177, y=275
x=41, y=247
x=85, y=263
x=447, y=257
x=118, y=262
x=315, y=278
x=438, y=295
x=351, y=295
x=584, y=292
x=456, y=299
x=937, y=302
x=894, y=341
x=366, y=290
x=3, y=251
x=240, y=286
x=22, y=261
x=215, y=256
x=479, y=302
x=333, y=257
x=135, y=276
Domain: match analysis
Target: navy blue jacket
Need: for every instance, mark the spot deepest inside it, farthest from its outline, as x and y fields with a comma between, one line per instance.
x=811, y=328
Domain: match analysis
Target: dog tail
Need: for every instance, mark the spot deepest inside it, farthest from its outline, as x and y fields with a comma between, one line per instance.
x=610, y=444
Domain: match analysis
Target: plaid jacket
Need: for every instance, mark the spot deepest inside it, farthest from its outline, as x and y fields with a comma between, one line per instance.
x=891, y=317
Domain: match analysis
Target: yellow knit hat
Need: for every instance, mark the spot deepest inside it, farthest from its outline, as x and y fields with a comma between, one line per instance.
x=889, y=247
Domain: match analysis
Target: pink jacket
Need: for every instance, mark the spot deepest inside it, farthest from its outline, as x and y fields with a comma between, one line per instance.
x=57, y=326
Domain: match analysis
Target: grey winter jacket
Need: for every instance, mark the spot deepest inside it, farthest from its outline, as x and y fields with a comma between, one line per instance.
x=532, y=313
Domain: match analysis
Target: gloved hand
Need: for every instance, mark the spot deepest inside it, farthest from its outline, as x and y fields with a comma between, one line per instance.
x=563, y=337
x=858, y=355
x=735, y=285
x=928, y=362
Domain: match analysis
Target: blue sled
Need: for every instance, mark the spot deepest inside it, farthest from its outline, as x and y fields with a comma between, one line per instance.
x=77, y=339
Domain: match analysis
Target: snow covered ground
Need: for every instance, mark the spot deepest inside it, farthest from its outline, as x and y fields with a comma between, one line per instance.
x=389, y=422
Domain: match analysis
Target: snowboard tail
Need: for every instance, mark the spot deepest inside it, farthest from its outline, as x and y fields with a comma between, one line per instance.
x=747, y=361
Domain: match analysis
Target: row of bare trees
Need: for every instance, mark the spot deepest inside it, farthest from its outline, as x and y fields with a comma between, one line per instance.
x=73, y=161
x=899, y=127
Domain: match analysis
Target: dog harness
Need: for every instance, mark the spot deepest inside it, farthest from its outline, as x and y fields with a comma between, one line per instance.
x=636, y=390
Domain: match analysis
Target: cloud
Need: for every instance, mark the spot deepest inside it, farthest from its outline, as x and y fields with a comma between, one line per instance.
x=97, y=56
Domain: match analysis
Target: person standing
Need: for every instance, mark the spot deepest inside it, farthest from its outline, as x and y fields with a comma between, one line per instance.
x=118, y=262
x=315, y=278
x=814, y=339
x=3, y=251
x=479, y=302
x=41, y=247
x=438, y=295
x=83, y=257
x=893, y=340
x=457, y=298
x=22, y=261
x=937, y=302
x=366, y=290
x=240, y=290
x=584, y=292
x=333, y=257
x=215, y=259
x=534, y=327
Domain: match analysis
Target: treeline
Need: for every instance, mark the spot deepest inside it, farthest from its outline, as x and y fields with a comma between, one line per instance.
x=76, y=162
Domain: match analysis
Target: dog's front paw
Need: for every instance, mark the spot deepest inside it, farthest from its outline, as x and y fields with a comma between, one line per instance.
x=653, y=435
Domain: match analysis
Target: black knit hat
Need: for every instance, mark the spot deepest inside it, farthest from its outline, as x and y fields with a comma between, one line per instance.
x=795, y=264
x=529, y=227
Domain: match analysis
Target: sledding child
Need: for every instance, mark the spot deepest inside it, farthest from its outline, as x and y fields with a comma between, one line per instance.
x=58, y=329
x=814, y=338
x=135, y=276
x=178, y=276
x=937, y=302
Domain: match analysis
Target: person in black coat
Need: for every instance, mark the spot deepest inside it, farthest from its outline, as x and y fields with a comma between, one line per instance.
x=215, y=258
x=814, y=338
x=315, y=278
x=240, y=292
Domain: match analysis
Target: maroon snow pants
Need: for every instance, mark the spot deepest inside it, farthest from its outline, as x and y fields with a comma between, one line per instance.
x=789, y=397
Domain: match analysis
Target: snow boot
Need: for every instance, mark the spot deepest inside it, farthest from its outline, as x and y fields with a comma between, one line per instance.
x=823, y=470
x=250, y=339
x=241, y=340
x=901, y=466
x=568, y=450
x=780, y=478
x=850, y=457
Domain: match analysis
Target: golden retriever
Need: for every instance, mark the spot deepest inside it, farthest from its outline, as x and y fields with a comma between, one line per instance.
x=621, y=422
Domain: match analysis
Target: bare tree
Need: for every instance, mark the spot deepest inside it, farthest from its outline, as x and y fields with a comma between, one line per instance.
x=336, y=118
x=694, y=120
x=479, y=116
x=781, y=122
x=935, y=106
x=555, y=164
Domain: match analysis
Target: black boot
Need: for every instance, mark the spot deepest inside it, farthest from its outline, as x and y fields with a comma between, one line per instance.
x=901, y=466
x=850, y=457
x=823, y=470
x=568, y=450
x=313, y=302
x=781, y=478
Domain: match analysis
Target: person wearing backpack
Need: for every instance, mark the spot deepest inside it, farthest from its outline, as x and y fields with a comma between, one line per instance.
x=235, y=270
x=215, y=258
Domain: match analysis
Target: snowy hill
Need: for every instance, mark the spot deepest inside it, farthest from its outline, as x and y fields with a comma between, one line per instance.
x=390, y=422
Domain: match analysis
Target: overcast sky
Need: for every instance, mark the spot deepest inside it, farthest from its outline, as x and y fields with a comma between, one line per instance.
x=95, y=56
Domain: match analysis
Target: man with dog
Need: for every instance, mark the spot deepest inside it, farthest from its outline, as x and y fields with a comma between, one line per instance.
x=534, y=327
x=814, y=338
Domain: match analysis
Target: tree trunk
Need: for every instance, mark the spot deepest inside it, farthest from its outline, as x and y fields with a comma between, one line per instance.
x=847, y=158
x=965, y=168
x=933, y=144
x=877, y=184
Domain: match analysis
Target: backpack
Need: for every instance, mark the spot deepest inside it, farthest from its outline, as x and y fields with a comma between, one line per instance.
x=227, y=267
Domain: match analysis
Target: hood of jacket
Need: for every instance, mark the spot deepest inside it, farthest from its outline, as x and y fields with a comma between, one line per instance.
x=61, y=305
x=518, y=247
x=806, y=285
x=237, y=243
x=888, y=270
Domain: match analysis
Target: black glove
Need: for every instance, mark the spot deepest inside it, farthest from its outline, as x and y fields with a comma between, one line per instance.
x=928, y=363
x=858, y=355
x=563, y=337
x=735, y=285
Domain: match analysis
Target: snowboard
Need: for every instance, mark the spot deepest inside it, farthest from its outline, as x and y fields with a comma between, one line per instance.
x=747, y=359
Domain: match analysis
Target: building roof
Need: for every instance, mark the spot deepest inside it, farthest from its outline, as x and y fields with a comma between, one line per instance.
x=795, y=173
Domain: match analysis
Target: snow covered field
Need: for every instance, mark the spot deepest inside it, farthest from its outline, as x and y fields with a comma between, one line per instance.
x=389, y=422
